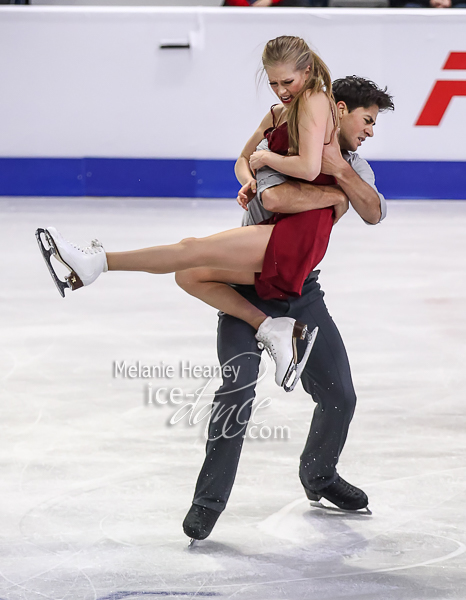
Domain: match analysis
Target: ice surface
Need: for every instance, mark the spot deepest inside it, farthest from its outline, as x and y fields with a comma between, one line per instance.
x=94, y=483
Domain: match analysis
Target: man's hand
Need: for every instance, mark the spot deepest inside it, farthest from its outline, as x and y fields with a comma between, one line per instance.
x=332, y=160
x=247, y=193
x=363, y=197
x=262, y=3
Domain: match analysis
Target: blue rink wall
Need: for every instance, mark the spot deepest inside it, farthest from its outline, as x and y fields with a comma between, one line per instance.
x=154, y=101
x=201, y=178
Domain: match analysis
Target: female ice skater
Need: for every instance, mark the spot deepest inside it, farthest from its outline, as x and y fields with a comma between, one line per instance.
x=276, y=255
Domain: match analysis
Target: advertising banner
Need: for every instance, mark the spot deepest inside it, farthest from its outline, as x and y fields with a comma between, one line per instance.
x=93, y=97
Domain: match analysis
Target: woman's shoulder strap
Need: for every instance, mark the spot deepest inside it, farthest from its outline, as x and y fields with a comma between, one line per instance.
x=273, y=114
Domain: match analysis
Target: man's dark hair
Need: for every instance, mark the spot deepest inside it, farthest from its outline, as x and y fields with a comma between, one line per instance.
x=356, y=91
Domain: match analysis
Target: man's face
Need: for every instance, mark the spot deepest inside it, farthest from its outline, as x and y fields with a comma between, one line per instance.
x=356, y=126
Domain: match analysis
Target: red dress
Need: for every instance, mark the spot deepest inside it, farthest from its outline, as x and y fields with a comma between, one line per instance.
x=298, y=242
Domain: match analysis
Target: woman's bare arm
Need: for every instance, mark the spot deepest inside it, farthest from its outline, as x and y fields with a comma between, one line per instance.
x=313, y=122
x=242, y=169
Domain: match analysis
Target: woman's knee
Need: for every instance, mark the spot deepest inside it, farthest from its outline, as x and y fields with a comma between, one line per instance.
x=192, y=247
x=191, y=278
x=185, y=279
x=190, y=241
x=195, y=251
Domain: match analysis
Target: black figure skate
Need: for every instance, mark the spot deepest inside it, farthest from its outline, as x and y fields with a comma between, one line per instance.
x=344, y=496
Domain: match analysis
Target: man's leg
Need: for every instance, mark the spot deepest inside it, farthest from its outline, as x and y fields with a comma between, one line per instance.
x=231, y=409
x=327, y=377
x=236, y=347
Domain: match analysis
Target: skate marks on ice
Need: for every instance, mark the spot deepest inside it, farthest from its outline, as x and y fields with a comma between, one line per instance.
x=385, y=538
x=411, y=541
x=322, y=558
x=47, y=536
x=317, y=547
x=103, y=491
x=336, y=549
x=144, y=594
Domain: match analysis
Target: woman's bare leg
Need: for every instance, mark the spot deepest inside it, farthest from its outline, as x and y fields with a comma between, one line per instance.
x=240, y=249
x=209, y=264
x=211, y=286
x=277, y=335
x=233, y=256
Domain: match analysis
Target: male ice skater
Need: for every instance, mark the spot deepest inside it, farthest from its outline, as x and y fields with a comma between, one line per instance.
x=327, y=375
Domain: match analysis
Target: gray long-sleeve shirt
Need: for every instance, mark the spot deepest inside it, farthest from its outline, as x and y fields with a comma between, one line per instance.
x=267, y=178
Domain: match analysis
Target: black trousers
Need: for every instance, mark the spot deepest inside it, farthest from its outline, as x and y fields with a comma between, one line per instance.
x=326, y=377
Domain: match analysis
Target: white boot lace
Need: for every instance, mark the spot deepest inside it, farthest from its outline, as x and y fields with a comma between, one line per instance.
x=270, y=349
x=95, y=247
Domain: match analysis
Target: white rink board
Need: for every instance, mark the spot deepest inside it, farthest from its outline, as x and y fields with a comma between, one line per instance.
x=92, y=81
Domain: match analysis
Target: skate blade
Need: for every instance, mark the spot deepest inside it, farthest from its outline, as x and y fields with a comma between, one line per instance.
x=47, y=253
x=192, y=543
x=335, y=509
x=293, y=375
x=72, y=281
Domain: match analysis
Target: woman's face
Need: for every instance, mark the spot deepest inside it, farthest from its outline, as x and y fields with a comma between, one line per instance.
x=286, y=81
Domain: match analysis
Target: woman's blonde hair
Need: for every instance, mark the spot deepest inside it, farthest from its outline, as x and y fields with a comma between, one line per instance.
x=287, y=48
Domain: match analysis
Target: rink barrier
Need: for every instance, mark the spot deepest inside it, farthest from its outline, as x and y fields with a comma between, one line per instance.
x=198, y=178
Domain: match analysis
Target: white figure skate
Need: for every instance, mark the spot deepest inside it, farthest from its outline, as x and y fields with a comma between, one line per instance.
x=85, y=264
x=278, y=336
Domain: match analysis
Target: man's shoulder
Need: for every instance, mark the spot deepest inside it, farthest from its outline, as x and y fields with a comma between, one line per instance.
x=360, y=165
x=352, y=157
x=365, y=172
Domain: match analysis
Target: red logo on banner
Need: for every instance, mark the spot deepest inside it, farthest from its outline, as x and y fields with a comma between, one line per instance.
x=443, y=92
